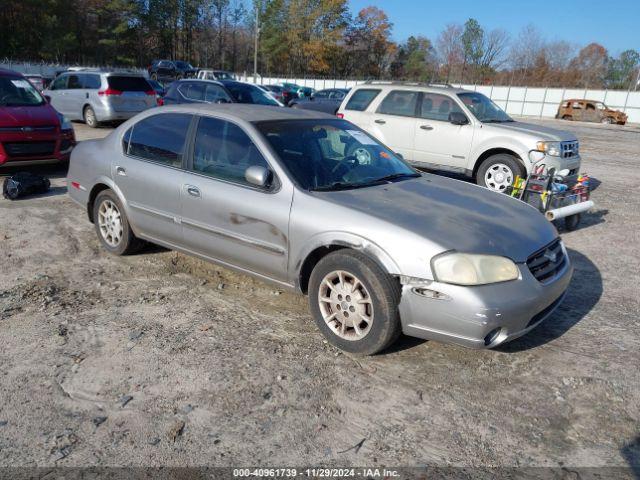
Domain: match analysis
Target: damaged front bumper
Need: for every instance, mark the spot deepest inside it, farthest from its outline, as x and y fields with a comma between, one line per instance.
x=483, y=316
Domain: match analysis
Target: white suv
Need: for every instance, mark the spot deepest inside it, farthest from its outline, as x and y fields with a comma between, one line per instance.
x=445, y=128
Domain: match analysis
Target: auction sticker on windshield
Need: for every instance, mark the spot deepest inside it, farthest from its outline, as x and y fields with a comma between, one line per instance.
x=362, y=137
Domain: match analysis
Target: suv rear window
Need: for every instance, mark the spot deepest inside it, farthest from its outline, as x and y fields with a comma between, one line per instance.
x=129, y=84
x=361, y=99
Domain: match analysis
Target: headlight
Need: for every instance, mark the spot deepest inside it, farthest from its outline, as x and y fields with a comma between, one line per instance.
x=65, y=124
x=468, y=269
x=550, y=148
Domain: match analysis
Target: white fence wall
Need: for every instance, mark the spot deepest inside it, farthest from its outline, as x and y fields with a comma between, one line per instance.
x=49, y=70
x=524, y=101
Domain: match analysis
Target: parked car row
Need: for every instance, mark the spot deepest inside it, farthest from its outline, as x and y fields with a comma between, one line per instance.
x=379, y=247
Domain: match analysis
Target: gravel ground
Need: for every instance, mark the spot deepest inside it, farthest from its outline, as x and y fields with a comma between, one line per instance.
x=161, y=360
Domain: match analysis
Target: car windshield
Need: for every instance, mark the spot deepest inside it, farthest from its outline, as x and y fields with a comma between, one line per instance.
x=223, y=75
x=246, y=93
x=18, y=92
x=484, y=109
x=184, y=65
x=324, y=155
x=601, y=106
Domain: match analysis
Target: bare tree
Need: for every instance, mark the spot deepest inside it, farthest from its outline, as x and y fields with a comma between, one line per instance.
x=525, y=51
x=449, y=48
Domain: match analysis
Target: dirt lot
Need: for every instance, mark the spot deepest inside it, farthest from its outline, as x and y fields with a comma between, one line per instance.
x=159, y=359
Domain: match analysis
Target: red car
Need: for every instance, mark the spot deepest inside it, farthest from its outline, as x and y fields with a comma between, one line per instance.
x=31, y=130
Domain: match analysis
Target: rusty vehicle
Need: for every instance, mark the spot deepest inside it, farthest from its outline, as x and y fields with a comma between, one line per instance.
x=589, y=111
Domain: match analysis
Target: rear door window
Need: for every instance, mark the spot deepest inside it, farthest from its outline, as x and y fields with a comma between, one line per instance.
x=400, y=102
x=160, y=138
x=361, y=99
x=193, y=91
x=128, y=84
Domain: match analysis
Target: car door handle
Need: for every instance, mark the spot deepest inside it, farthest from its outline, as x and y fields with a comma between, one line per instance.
x=426, y=127
x=193, y=191
x=121, y=171
x=381, y=122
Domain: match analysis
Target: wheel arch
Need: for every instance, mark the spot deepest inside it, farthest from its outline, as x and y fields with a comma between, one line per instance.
x=495, y=151
x=317, y=251
x=101, y=184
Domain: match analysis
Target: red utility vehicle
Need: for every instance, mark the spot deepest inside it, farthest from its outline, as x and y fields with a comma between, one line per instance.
x=31, y=130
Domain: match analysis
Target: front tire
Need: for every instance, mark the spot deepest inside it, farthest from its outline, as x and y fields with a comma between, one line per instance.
x=90, y=117
x=354, y=302
x=499, y=171
x=112, y=225
x=606, y=120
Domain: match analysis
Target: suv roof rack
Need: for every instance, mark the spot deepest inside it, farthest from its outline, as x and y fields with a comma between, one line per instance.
x=408, y=84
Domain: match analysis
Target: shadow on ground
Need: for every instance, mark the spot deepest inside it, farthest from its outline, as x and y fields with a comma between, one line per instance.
x=631, y=453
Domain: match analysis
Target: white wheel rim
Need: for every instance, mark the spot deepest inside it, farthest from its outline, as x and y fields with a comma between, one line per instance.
x=90, y=117
x=498, y=177
x=110, y=223
x=346, y=306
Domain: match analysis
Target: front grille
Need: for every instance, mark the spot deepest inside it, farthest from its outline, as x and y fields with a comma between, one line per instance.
x=546, y=263
x=29, y=149
x=569, y=149
x=39, y=129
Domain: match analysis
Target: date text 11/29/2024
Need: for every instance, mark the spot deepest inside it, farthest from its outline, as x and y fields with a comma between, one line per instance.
x=366, y=473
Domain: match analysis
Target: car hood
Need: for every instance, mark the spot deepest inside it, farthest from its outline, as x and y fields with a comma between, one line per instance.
x=32, y=116
x=454, y=215
x=542, y=133
x=617, y=113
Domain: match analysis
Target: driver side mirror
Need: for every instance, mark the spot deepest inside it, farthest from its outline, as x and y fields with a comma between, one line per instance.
x=258, y=176
x=458, y=118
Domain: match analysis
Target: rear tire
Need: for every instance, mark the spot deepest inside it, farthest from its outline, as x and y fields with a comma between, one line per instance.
x=112, y=225
x=567, y=117
x=499, y=171
x=358, y=313
x=90, y=117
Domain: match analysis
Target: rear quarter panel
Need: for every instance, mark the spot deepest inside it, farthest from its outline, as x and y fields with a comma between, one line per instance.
x=89, y=166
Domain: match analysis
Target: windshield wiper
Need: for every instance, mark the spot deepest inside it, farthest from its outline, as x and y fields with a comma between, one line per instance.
x=495, y=120
x=394, y=176
x=346, y=186
x=334, y=186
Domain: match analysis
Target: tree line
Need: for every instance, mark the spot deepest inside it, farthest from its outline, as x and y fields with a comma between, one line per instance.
x=313, y=38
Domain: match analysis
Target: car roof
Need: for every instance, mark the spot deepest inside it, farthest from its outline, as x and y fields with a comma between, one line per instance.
x=9, y=73
x=197, y=80
x=249, y=113
x=425, y=87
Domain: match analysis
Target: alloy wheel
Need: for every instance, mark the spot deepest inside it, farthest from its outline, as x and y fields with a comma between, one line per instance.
x=346, y=306
x=498, y=177
x=110, y=223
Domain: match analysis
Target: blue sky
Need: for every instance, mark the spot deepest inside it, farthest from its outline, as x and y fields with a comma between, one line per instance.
x=615, y=25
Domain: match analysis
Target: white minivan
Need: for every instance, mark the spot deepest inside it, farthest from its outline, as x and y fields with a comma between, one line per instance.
x=445, y=128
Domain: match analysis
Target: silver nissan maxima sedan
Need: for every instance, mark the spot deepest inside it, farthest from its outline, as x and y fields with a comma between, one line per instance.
x=316, y=205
